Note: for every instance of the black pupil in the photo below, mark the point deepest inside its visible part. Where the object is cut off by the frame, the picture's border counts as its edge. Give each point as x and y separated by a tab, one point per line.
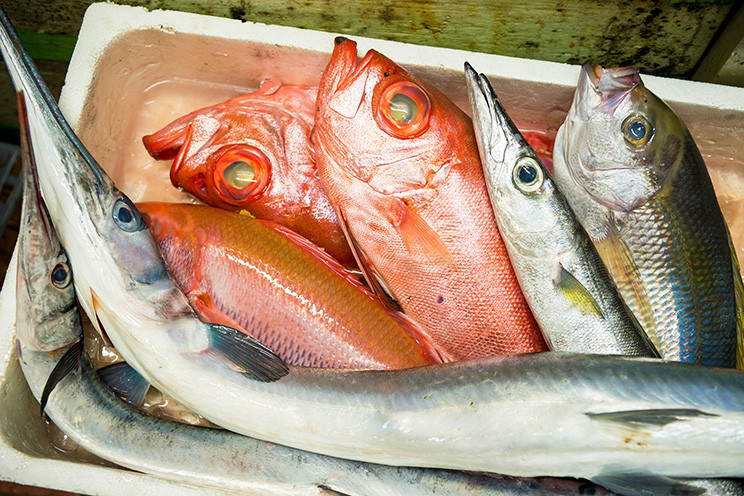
59	274
637	130
125	215
527	174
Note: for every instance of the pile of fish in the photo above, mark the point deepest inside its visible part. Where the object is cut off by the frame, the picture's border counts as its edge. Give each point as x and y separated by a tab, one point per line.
476	260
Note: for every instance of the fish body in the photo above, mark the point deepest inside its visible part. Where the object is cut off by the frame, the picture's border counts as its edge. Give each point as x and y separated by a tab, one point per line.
412	198
541	413
88	411
253	153
565	282
636	180
569	289
258	277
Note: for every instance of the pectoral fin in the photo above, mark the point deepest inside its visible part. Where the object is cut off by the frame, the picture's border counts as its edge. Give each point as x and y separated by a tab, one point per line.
69	362
619	262
420	239
576	293
126	382
245	354
646	418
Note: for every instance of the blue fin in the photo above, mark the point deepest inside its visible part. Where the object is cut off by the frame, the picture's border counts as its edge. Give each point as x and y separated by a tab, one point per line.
70	361
639	418
246	355
126	382
646	485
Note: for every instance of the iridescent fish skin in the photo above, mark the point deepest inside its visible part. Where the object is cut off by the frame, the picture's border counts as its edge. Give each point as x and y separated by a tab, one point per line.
400	164
261	278
636	180
565	282
253	153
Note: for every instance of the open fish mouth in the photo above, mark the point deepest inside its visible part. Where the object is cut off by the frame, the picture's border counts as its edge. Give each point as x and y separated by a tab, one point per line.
611	85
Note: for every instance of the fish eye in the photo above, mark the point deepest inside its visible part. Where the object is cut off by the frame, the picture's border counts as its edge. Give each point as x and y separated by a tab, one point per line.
637	130
126	216
61	277
241	173
527	175
403	110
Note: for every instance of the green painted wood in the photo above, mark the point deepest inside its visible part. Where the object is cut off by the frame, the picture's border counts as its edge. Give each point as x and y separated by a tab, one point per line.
665	38
48	46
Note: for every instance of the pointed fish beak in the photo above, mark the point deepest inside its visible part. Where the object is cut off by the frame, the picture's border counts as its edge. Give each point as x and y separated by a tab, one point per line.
494	130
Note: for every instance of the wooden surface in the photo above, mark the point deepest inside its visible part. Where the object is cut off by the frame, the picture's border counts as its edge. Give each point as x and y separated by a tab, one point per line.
662	38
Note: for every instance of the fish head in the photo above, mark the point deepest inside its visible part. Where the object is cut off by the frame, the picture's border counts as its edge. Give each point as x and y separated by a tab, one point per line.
249	153
521	190
621	141
47	318
381	125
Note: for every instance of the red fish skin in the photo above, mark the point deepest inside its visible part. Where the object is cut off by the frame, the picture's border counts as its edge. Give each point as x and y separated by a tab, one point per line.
277	121
458	283
274	285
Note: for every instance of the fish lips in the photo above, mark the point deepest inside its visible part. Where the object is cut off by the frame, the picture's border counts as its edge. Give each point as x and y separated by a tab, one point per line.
603	90
343	85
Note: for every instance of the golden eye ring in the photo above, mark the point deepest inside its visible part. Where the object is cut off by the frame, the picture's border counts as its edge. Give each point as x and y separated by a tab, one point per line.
637	130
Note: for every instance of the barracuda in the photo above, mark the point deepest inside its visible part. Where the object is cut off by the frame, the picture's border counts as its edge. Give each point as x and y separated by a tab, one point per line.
565	282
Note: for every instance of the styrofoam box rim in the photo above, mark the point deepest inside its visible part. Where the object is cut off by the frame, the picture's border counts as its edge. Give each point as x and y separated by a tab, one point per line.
103	23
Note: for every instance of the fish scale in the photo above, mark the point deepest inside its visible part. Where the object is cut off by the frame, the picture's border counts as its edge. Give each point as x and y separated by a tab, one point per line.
652	213
417	210
290	296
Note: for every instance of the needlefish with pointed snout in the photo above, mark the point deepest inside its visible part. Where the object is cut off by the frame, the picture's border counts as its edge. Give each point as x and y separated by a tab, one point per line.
48	323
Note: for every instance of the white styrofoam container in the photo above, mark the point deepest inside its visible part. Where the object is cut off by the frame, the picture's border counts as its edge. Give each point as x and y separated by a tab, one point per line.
133	71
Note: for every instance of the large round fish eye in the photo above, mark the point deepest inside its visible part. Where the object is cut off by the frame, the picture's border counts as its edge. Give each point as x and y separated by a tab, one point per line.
61	277
403	110
527	175
637	130
241	174
126	216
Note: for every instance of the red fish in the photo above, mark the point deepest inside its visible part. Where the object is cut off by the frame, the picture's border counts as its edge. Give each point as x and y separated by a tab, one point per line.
267	281
400	163
253	153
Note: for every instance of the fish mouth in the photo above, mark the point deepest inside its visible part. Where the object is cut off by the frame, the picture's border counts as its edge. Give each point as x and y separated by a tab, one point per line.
605	89
343	82
500	142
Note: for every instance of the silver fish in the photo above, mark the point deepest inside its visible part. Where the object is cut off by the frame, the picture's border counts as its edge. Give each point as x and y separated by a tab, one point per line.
565	282
524	415
89	413
636	180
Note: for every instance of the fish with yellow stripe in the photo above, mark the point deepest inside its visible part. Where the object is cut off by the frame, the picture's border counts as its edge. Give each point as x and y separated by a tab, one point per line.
631	171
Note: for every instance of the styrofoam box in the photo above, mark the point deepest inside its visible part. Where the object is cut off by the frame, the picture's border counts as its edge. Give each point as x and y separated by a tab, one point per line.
133	71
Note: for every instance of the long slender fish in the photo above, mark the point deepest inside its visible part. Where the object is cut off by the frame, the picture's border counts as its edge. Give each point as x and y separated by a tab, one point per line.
636	180
565	282
524	415
567	285
87	411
